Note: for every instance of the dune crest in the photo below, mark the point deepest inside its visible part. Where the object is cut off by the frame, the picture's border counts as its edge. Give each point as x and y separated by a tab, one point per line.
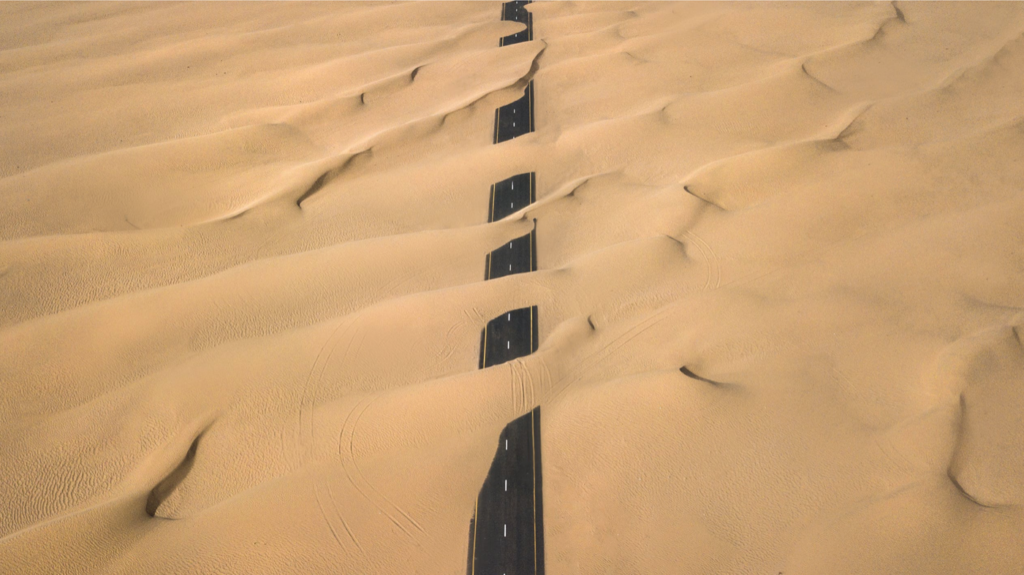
774	253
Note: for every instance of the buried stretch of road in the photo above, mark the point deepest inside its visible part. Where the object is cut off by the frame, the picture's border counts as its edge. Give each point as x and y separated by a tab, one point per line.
506	533
515	119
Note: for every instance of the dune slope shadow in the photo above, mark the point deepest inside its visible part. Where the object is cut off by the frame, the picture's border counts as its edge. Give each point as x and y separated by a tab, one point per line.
167	485
686	371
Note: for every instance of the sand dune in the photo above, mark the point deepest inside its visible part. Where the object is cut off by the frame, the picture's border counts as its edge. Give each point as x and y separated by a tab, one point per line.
241	285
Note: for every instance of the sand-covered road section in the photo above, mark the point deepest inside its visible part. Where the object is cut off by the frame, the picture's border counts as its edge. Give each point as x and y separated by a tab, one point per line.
241	285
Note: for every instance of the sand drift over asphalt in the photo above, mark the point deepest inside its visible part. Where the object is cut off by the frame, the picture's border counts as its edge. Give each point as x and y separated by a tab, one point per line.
779	282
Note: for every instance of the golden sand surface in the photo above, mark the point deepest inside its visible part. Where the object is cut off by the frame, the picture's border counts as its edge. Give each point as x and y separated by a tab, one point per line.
816	208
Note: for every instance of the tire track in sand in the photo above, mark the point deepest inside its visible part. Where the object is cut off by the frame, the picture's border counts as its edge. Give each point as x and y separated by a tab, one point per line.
337	513
307	400
711	262
306	428
346	450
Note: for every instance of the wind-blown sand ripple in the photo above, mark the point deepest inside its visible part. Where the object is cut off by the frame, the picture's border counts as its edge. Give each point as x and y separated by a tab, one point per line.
241	285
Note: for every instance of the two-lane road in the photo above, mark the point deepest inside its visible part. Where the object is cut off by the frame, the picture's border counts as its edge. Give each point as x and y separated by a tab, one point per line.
512	194
507	530
511	335
516	12
515	119
506	533
516	257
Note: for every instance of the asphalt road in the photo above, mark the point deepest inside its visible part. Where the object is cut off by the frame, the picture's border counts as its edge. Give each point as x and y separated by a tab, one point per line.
515	257
510	195
516	12
511	335
515	119
506	534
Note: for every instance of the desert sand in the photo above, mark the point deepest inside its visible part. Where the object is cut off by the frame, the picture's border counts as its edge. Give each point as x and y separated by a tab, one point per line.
816	209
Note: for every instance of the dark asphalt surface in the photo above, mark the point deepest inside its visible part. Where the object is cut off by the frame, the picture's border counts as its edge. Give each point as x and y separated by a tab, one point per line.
507	530
515	119
511	335
506	533
516	257
512	194
516	12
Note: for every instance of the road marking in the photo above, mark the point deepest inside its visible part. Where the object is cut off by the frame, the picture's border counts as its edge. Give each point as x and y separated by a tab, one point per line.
505	530
506	445
509	267
506	485
508	344
533	466
472	570
531	330
492	202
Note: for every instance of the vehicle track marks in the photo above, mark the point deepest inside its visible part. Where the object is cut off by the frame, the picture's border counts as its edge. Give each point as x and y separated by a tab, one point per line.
450	345
346	448
711	261
590	364
337	510
307	401
327	520
521	395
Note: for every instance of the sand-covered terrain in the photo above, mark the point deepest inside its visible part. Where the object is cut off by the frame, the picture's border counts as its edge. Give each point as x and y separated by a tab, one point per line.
242	285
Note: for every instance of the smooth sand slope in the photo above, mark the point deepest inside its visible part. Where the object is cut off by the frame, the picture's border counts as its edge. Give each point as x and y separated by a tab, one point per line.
241	285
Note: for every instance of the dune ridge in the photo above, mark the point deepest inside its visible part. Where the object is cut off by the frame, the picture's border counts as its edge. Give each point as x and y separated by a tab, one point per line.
779	285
